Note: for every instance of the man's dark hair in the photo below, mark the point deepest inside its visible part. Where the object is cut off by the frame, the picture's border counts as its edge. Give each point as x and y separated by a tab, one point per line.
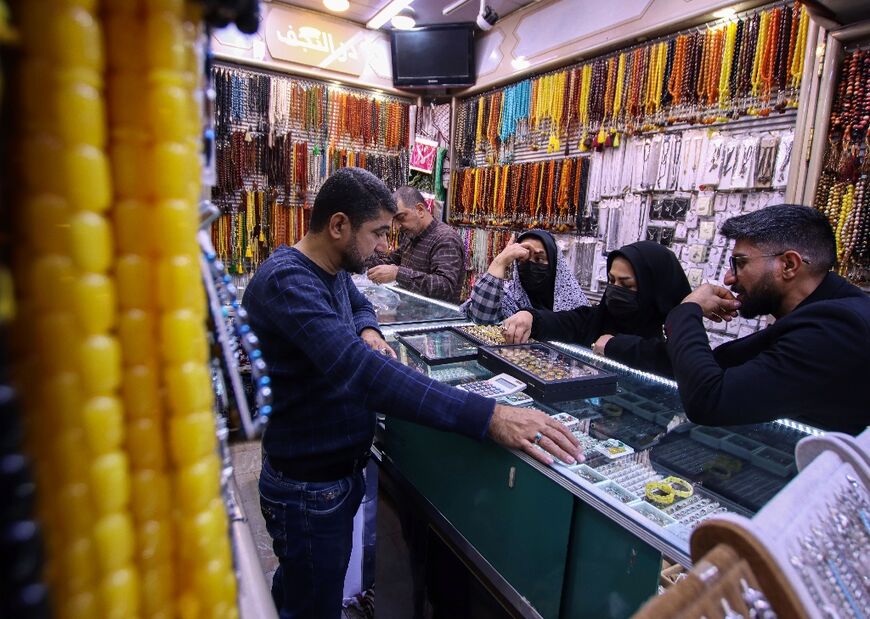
788	226
409	196
357	193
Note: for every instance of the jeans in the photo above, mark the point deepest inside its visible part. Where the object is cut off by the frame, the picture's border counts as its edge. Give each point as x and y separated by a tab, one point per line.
311	524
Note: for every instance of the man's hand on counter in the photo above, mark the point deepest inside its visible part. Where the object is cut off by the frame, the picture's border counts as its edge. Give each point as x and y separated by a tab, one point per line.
376	342
523	428
383	273
518	328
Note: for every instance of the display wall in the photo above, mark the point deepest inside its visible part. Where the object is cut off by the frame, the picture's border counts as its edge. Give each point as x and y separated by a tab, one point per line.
277	139
661	141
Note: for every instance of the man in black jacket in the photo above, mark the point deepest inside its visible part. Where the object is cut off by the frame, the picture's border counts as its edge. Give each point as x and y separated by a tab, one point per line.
811	364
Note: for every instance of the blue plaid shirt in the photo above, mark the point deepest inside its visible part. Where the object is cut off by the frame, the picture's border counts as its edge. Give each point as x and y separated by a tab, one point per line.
327	382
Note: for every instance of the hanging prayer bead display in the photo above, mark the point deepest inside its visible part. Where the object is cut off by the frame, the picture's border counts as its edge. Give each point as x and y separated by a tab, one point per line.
750	66
277	139
113	361
666	139
843	191
531	195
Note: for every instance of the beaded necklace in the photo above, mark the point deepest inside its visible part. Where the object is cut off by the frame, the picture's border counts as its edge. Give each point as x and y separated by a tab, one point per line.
700	89
583	107
492	131
618	94
717	64
609	93
759	53
633	100
665	98
478	133
560	96
783	47
691	67
727	64
675	83
795	17
768	60
797	59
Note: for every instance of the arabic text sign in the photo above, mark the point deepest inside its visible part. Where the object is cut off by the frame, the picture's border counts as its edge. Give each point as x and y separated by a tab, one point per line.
317	41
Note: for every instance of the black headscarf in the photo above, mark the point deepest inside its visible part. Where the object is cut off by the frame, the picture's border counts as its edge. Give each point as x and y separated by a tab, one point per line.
542	298
661	286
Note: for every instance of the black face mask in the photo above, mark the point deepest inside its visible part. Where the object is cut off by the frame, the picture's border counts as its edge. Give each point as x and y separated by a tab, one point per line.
533	276
621	302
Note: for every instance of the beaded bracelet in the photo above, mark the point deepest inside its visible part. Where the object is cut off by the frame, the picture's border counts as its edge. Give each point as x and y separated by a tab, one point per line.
681	487
659	492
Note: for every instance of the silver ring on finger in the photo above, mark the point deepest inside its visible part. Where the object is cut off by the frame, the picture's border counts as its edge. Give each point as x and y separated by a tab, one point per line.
538	438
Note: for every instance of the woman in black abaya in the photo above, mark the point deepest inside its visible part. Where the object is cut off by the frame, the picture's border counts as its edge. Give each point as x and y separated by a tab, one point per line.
645	281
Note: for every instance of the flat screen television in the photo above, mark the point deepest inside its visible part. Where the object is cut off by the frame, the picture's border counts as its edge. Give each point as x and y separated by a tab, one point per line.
433	56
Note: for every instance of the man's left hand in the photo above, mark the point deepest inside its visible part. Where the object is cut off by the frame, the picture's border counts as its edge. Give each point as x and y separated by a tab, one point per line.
528	429
717	303
376	342
383	273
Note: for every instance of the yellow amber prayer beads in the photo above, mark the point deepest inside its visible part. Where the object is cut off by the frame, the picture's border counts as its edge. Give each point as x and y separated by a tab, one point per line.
118	395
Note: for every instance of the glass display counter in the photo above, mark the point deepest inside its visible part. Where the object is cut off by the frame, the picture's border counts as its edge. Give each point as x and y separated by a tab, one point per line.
413	308
649	476
643	458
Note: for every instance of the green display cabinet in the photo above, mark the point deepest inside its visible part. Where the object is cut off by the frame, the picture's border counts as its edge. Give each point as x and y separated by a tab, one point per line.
610	572
567	559
514	516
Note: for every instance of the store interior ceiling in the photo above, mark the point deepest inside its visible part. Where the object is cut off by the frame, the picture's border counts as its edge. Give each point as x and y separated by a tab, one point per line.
428	12
846	11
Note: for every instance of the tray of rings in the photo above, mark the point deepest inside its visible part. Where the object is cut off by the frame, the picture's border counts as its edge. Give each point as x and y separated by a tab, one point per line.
484	335
551	375
438	346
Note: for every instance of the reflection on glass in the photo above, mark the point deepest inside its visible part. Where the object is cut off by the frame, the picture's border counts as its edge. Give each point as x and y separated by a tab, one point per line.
411	309
442	344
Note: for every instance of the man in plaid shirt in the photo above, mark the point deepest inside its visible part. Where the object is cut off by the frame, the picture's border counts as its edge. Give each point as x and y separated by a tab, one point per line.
431	258
331	370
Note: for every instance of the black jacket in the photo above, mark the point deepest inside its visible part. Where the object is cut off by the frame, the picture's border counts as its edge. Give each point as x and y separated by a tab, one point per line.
812	364
639	343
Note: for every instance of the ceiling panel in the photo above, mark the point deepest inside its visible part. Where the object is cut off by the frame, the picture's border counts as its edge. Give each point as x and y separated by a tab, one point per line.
428	11
847	11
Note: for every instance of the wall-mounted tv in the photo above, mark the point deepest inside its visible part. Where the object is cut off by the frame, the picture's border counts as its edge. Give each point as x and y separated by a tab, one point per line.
433	56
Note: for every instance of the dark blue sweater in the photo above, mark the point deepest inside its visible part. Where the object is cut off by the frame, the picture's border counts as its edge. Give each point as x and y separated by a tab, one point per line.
327	382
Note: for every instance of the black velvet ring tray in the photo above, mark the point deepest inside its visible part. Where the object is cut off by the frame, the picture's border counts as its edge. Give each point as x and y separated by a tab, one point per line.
438	346
551	375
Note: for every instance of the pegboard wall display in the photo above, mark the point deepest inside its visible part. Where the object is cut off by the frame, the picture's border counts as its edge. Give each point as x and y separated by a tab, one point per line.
277	139
843	191
662	141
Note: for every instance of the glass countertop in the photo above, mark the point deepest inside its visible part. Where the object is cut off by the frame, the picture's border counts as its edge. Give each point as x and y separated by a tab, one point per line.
644	458
413	308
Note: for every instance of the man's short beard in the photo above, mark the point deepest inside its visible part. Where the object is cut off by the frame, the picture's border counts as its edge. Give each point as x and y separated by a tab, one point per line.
352	261
763	301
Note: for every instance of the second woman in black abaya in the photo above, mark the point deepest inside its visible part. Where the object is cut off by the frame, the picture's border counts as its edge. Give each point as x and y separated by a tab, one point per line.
645	282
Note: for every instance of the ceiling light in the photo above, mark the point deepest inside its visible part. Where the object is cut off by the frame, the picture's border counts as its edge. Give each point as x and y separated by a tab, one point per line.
404	19
520	63
725	13
386	13
337	6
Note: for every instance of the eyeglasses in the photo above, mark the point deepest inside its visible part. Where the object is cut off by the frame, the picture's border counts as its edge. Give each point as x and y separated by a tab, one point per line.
738	262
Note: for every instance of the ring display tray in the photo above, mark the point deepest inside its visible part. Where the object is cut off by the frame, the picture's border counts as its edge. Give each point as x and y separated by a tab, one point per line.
551	375
438	346
484	335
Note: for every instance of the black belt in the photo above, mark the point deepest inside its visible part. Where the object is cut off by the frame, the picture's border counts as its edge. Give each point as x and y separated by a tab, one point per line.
301	470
